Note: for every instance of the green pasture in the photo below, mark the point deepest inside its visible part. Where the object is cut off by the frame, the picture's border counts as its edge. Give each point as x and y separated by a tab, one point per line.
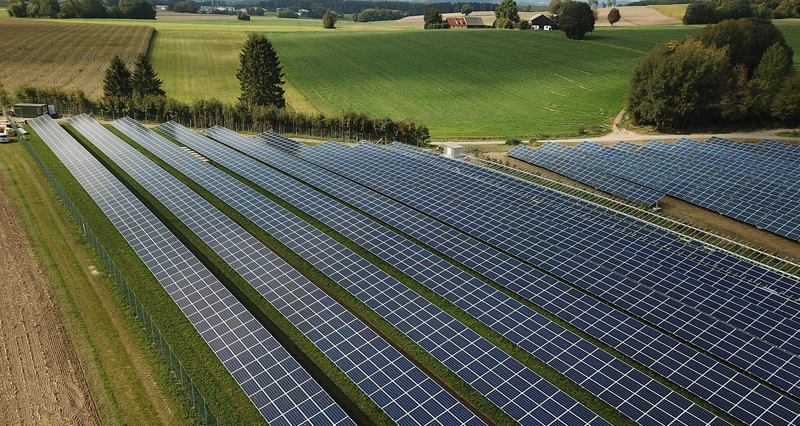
476	84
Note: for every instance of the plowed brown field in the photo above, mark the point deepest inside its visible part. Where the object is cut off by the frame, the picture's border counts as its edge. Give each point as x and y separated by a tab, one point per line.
41	380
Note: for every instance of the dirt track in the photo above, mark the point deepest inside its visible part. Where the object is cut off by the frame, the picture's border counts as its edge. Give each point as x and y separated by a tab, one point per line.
41	381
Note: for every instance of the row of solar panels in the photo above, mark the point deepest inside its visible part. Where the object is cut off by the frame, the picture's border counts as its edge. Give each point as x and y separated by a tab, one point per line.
756	183
395	185
551	156
414	181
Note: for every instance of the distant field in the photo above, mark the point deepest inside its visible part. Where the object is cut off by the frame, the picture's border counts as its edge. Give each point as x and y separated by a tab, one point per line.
462	84
65	55
452	81
672	10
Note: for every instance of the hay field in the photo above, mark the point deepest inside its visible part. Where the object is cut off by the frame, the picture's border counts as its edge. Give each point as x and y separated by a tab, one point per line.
675	11
70	56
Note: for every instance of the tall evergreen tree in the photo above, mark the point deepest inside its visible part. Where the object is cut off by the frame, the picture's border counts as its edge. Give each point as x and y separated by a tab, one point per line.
260	73
144	80
117	82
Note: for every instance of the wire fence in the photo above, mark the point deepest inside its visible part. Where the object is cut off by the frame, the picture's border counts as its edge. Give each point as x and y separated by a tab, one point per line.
175	366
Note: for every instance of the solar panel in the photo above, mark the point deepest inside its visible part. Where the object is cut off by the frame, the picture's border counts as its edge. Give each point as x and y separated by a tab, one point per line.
582	167
347	341
568	243
282	391
530	400
720	174
351	164
447	280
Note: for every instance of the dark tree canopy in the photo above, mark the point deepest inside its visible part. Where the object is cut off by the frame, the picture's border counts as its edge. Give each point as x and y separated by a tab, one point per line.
329	19
187	6
43	8
508	10
144	80
556	6
137	9
680	86
738	72
432	16
17	9
260	73
614	16
746	39
576	19
466	9
117	81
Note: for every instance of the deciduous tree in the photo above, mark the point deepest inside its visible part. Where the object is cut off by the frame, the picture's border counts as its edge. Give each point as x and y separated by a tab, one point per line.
466	9
432	16
576	19
508	10
329	19
614	16
260	73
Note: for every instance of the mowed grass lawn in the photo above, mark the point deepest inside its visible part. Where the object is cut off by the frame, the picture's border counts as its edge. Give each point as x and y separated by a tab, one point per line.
462	84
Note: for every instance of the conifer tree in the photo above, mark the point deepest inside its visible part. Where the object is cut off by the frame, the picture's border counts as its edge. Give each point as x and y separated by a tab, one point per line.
117	82
260	73
144	80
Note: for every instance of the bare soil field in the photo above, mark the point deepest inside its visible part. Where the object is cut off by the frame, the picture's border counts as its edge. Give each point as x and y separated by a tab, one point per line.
635	16
41	380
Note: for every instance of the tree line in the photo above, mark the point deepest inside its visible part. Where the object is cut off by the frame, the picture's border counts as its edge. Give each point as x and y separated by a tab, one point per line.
128	9
370	15
714	11
354	6
738	72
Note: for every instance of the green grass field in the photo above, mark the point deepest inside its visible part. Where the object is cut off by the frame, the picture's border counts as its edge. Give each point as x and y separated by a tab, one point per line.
455	82
462	84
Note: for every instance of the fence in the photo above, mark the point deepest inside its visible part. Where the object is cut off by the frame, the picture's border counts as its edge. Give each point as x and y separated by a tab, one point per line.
163	346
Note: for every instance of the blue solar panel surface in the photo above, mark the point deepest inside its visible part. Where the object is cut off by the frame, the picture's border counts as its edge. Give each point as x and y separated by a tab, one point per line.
690	325
580	312
758	184
531	400
401	389
288	396
460	288
576	167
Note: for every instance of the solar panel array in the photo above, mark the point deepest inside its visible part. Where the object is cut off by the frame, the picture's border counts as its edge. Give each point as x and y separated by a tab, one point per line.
560	246
756	183
578	166
484	302
327	153
283	392
725	330
519	391
400	388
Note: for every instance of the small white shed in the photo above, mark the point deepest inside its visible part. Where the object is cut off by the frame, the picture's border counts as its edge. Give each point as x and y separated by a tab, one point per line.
453	150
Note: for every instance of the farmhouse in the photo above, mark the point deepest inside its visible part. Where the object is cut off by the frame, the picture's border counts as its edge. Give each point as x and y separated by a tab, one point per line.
475	22
457	22
541	22
162	7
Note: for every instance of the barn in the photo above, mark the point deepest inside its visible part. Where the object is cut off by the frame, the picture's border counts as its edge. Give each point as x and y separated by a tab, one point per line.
541	22
475	22
457	22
